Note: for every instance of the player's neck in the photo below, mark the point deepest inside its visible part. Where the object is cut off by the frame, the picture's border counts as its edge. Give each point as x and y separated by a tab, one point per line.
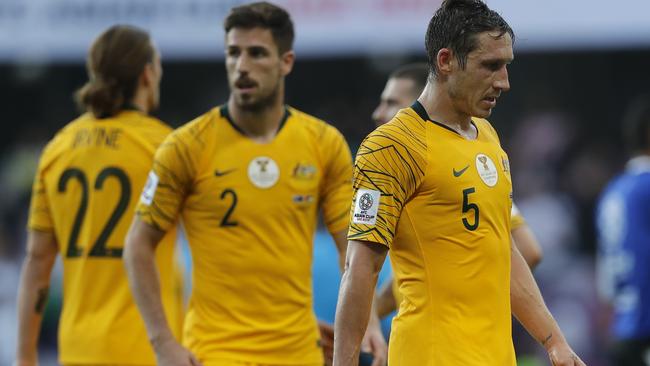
438	104
139	101
260	126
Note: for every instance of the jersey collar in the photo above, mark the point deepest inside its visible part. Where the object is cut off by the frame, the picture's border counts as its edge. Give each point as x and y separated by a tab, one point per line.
419	109
223	110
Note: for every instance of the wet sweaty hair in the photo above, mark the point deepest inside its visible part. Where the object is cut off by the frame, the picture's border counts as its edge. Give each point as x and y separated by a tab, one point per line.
115	62
263	15
457	24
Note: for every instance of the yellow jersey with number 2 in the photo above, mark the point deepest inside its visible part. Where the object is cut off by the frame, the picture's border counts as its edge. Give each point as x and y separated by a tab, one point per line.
249	211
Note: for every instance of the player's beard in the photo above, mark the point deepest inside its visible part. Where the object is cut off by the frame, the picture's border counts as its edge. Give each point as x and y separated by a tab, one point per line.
262	103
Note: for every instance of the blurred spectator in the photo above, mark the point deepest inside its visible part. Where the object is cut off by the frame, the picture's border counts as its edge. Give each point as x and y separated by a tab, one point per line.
623	221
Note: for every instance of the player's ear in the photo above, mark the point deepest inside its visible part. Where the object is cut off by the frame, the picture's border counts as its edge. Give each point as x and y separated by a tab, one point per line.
445	60
148	75
287	59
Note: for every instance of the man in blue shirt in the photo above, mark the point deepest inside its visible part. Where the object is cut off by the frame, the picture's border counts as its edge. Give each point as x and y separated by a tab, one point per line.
623	222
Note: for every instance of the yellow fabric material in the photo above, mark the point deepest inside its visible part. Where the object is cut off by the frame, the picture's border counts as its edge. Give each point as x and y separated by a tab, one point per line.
249	211
444	212
89	179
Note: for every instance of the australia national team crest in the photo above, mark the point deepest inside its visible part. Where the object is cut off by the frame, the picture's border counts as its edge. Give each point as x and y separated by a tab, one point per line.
487	170
263	172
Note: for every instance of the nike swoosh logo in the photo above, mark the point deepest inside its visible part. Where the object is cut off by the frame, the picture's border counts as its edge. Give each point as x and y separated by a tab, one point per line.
221	173
460	172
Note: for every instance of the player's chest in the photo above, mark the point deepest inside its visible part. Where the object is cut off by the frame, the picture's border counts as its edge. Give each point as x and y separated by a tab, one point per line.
259	178
458	169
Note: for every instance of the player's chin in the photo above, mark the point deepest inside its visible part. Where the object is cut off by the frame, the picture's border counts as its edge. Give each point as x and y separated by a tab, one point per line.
244	100
482	112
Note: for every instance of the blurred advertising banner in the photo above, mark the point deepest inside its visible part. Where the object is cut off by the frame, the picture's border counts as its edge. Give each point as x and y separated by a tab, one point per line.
62	30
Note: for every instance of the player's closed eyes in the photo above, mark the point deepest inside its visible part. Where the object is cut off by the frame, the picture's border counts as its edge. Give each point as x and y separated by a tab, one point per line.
258	52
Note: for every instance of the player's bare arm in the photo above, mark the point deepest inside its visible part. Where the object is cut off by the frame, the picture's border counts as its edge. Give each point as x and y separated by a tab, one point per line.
42	249
373	339
531	311
139	257
528	245
363	263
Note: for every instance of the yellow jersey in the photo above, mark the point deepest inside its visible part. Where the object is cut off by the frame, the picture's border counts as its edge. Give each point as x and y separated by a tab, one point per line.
85	192
516	220
249	211
441	203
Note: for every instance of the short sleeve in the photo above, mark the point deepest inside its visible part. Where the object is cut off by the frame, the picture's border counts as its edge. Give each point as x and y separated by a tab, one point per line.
389	167
516	218
337	187
170	180
40	217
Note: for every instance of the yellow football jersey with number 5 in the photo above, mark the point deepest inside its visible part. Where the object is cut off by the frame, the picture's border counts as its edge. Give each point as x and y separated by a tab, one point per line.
250	211
441	203
88	183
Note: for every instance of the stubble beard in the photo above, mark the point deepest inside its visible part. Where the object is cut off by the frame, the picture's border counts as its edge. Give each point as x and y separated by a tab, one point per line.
264	102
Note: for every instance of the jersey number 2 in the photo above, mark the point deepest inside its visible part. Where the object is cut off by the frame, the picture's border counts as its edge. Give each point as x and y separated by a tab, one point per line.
99	248
470	207
226	221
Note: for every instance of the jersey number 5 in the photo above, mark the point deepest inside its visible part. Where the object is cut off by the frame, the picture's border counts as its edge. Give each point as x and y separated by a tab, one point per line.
467	206
99	248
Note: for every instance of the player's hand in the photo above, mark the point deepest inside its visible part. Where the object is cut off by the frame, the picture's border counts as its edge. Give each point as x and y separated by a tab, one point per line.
563	355
374	342
327	341
171	353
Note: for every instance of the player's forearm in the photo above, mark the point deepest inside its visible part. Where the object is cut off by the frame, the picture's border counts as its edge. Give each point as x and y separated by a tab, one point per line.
364	260
32	297
139	257
528	305
352	315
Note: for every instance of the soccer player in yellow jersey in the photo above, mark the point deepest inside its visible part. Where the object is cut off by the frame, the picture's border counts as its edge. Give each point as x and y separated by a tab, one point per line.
85	191
247	180
433	186
404	85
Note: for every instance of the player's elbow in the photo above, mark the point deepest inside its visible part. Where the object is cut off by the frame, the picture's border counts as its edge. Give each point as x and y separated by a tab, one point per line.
534	257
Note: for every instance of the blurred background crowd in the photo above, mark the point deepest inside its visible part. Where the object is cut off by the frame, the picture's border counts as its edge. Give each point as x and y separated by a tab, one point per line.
576	67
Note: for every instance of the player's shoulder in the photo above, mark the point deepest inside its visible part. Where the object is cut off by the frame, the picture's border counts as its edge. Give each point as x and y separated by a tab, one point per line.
154	124
635	183
485	127
142	127
198	130
64	138
315	127
407	129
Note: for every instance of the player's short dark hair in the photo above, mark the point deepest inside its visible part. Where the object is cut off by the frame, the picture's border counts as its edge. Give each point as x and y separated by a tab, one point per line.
636	124
264	15
115	62
418	72
456	24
